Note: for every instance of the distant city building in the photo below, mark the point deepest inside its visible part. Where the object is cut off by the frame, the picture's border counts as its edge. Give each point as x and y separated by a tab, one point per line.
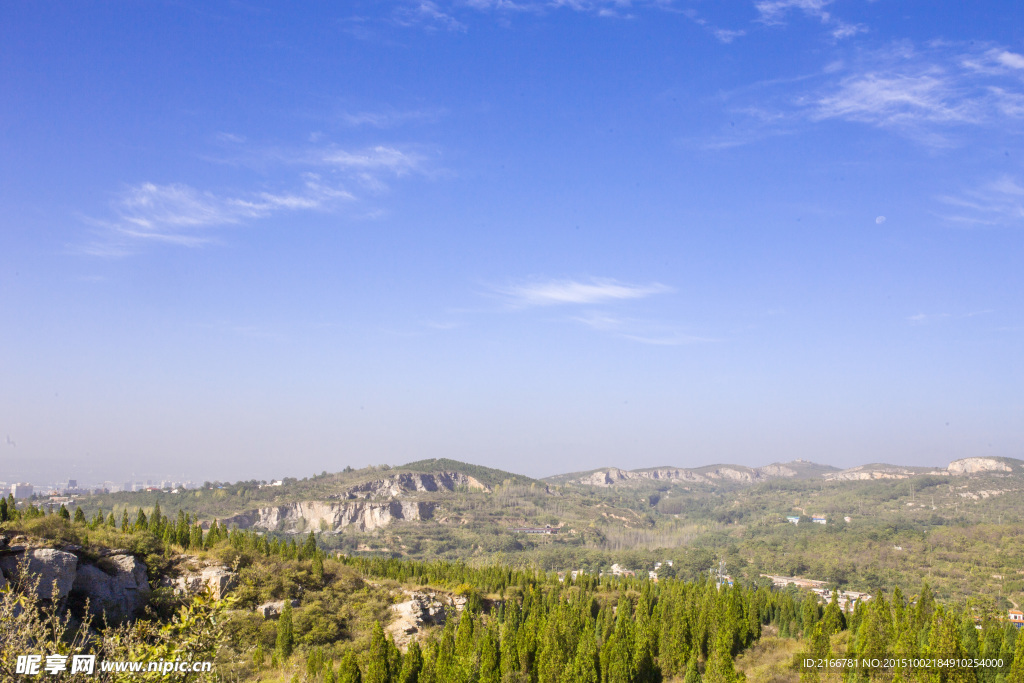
793	519
21	490
1016	617
818	519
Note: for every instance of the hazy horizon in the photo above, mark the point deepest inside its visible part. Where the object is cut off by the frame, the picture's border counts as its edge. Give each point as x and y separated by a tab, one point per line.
261	240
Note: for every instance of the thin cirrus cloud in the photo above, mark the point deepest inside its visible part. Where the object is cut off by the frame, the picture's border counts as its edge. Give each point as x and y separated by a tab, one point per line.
927	318
936	95
598	291
640	331
183	215
390	118
775	12
594	291
1000	202
919	90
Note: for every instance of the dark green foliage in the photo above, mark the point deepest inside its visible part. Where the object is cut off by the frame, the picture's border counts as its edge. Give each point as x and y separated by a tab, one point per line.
285	633
348	671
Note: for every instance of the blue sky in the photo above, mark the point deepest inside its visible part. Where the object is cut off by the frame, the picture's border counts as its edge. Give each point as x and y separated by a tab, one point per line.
258	239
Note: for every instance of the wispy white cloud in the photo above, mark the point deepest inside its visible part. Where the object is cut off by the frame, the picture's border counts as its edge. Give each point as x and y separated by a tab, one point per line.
641	331
1010	59
933	94
923	318
1000	202
726	35
897	99
775	13
184	215
927	318
390	118
597	290
427	14
379	158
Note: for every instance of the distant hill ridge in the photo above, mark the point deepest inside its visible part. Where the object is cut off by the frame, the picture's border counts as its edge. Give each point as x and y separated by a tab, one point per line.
796	469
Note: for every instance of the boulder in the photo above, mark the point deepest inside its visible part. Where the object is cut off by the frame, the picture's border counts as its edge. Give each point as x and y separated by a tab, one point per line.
219	580
272	610
48	569
117	587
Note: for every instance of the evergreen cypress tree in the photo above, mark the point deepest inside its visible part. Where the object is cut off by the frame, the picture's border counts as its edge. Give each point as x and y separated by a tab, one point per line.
445	666
925	606
111	522
585	666
692	672
126	524
490	658
141	523
63	513
156	520
412	663
79	517
833	620
818	647
720	668
318	566
285	633
1017	668
348	671
309	550
377	667
394	658
3	510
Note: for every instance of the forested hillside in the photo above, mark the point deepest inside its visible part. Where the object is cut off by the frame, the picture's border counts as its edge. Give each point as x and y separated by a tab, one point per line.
958	527
337	617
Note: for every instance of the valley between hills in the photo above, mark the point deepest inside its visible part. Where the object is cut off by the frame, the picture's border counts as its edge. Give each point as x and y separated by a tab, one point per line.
960	527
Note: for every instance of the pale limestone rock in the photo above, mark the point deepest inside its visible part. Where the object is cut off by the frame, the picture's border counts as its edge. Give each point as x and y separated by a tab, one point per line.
307	515
118	587
272	610
976	465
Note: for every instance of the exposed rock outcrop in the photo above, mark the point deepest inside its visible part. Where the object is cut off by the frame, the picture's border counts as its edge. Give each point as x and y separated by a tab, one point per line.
421	609
218	579
977	465
780	471
53	569
303	516
117	586
396	486
272	610
734	473
876	471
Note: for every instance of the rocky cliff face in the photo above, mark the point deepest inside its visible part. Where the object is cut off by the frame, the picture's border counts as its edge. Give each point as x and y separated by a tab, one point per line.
396	486
116	586
303	516
734	473
977	465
